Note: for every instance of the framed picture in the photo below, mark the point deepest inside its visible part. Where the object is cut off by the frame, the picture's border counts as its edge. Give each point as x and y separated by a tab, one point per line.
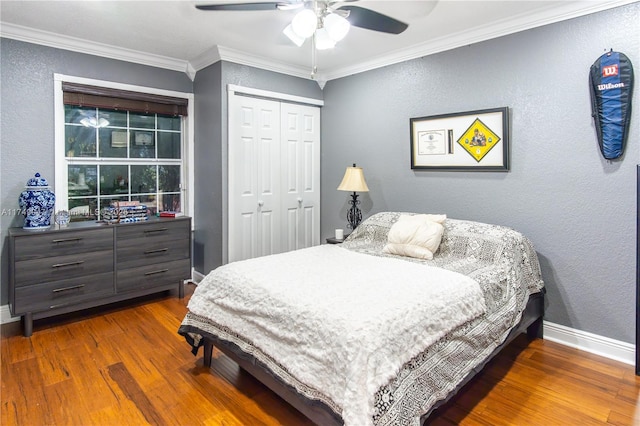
144	139
470	141
119	139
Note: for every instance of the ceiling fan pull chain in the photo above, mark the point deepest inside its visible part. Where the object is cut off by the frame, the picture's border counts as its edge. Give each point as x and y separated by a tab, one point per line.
314	58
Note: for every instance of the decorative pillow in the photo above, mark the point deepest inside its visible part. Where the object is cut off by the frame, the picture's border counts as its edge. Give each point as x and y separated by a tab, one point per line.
415	235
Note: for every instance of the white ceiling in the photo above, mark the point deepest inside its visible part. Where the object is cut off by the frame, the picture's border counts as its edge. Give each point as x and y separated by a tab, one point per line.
175	35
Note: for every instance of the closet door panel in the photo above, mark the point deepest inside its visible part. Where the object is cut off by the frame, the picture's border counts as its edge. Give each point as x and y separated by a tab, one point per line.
290	229
301	163
254	157
310	218
246	248
269	208
290	185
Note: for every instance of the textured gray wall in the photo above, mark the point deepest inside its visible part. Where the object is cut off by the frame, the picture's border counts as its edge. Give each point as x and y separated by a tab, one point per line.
577	208
27	107
210	88
208	165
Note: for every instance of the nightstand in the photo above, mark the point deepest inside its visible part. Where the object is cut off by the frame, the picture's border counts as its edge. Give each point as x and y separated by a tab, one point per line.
333	240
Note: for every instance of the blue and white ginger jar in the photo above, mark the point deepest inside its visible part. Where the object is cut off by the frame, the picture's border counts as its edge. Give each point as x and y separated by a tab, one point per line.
37	202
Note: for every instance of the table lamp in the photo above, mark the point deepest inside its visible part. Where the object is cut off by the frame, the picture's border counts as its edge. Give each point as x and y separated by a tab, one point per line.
353	181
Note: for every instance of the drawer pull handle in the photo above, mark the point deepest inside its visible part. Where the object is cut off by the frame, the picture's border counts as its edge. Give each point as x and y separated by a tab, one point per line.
62	265
150	231
66	240
156	251
160	271
75	287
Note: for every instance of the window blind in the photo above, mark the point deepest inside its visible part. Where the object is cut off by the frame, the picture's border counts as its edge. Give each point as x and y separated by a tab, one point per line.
103	97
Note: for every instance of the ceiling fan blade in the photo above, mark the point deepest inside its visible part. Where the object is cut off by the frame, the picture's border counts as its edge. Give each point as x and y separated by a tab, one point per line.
242	6
370	20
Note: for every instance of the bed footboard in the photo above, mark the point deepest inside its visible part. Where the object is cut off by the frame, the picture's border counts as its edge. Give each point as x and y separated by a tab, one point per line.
316	411
531	323
321	414
208	351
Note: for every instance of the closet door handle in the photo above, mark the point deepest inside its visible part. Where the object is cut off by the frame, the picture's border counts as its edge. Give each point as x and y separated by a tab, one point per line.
260	203
299	200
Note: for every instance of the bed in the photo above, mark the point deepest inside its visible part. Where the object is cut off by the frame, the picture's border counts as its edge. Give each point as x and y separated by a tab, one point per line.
351	334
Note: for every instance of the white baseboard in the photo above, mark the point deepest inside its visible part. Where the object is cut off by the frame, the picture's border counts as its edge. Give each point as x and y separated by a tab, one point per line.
589	342
5	315
196	276
582	340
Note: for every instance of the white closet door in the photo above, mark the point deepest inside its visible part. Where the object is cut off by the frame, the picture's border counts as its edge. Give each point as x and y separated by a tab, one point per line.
300	149
254	178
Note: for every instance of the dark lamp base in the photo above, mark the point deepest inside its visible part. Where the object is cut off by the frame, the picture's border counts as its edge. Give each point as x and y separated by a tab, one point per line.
354	215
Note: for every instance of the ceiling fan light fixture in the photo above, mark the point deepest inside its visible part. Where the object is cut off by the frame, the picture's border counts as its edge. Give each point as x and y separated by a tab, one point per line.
288	31
304	23
93	122
337	27
323	40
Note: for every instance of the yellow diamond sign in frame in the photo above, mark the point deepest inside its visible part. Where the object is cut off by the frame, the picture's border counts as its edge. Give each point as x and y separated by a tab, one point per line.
478	140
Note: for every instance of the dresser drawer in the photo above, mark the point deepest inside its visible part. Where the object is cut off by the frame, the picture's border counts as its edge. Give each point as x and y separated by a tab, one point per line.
28	247
62	267
57	294
146	233
153	252
153	275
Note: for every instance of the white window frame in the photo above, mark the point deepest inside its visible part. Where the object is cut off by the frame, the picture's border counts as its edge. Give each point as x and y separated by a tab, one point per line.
61	162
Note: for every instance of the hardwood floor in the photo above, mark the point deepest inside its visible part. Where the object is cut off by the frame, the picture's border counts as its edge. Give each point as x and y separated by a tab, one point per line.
126	365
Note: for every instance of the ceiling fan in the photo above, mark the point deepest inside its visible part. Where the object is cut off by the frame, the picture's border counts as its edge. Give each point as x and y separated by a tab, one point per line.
325	22
355	15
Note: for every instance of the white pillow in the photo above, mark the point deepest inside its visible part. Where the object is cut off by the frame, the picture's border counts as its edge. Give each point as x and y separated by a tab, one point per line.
415	235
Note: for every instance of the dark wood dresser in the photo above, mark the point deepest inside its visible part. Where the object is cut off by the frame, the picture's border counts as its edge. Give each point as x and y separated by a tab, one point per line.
83	265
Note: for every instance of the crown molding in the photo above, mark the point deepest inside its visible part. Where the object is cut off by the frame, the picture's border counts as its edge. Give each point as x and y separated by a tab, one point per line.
239	57
464	38
30	35
217	53
206	58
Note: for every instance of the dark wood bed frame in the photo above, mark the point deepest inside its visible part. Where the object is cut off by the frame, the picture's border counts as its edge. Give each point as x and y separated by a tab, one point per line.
319	413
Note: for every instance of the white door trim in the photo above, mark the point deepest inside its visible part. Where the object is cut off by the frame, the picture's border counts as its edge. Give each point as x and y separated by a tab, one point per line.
233	89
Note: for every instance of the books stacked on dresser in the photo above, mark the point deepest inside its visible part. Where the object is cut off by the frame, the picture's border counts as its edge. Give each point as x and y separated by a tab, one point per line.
125	211
169	213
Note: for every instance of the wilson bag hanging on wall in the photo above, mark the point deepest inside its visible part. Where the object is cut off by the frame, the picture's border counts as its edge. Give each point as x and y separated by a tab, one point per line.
611	85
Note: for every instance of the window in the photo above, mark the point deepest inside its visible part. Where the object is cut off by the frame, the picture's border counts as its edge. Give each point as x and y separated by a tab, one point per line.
119	146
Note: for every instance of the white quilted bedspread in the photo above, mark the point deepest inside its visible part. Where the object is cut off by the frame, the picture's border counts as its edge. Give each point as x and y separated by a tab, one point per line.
354	328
